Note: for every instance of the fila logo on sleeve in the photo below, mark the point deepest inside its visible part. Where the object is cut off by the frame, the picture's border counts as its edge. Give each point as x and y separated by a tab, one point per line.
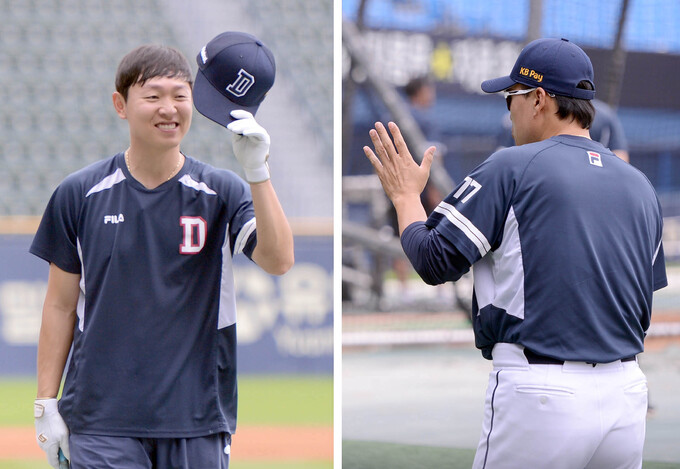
595	159
194	231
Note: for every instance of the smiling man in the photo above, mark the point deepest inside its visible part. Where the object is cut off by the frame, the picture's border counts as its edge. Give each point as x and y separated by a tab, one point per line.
141	287
565	239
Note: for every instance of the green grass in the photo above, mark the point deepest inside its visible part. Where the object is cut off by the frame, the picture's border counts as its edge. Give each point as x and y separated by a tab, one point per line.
374	455
288	400
377	455
12	464
17	397
269	400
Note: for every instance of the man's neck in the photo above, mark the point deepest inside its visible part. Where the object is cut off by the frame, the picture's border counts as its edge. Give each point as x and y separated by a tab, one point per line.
152	167
563	127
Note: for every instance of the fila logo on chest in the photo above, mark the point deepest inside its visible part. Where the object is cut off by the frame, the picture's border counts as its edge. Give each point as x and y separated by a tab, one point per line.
114	219
194	231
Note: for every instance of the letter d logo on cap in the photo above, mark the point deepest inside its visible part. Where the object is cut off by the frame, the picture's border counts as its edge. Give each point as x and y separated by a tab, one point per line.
242	84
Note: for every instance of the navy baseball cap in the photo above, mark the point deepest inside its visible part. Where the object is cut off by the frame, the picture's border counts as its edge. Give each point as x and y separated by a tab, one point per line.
556	65
235	71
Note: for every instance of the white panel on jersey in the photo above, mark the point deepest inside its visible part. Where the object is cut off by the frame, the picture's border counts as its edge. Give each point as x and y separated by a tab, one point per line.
108	182
499	277
199	186
656	252
227	311
465	225
243	235
80	307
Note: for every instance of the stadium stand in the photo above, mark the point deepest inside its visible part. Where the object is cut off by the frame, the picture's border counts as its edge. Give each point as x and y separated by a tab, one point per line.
650	27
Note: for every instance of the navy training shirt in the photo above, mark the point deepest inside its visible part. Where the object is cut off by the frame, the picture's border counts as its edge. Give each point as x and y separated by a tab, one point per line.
565	239
154	351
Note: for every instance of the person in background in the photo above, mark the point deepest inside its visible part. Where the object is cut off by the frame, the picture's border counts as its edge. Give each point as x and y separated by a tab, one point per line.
421	96
607	129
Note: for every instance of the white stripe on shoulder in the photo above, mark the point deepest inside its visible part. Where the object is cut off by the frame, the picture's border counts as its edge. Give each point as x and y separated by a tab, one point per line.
656	253
198	186
464	225
108	182
80	306
243	236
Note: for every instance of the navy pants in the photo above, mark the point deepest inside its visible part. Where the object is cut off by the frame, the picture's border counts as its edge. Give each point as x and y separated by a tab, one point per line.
89	451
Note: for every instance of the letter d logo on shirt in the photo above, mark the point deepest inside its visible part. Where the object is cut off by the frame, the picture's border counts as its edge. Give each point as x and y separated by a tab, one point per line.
194	230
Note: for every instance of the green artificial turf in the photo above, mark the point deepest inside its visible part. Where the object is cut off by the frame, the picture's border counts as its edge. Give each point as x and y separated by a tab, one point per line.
263	400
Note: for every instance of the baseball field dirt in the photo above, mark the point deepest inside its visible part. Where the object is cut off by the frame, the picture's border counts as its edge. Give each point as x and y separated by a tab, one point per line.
262	443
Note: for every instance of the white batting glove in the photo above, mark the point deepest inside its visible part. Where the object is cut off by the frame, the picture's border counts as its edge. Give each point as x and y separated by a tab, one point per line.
251	146
50	430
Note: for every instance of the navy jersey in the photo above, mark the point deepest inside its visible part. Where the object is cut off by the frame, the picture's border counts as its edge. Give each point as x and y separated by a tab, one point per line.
154	350
565	239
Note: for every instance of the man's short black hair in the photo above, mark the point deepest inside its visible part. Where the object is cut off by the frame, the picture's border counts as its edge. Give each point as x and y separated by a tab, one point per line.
150	61
582	110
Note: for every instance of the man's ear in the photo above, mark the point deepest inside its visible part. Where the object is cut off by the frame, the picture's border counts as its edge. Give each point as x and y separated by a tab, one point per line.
120	105
540	100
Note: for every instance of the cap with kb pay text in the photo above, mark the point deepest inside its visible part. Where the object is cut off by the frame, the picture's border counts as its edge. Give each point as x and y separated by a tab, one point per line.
556	65
235	71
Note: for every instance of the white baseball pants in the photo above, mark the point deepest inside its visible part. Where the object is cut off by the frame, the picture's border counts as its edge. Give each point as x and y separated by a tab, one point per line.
569	416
